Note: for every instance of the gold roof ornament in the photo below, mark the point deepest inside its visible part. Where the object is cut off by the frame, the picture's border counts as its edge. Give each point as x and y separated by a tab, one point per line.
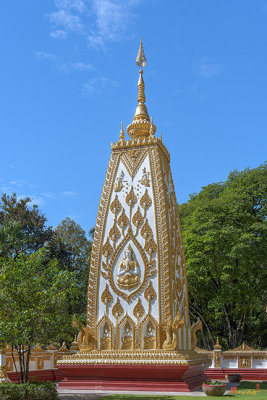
122	135
141	125
141	58
217	345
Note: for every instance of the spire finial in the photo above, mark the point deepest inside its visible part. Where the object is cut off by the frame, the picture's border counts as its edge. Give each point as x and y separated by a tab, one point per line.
141	58
141	125
122	134
217	345
141	111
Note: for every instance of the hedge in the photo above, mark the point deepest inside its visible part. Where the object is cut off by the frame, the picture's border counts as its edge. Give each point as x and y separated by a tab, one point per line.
28	391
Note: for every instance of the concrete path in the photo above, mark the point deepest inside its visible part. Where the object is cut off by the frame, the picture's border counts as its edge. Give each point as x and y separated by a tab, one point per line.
67	394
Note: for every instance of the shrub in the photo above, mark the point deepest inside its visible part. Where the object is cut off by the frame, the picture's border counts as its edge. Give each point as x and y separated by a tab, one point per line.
28	391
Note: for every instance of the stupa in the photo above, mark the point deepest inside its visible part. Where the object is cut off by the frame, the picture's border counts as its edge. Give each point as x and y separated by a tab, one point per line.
138	334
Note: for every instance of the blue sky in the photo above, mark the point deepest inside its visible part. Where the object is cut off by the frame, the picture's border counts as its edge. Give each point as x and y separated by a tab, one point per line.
68	78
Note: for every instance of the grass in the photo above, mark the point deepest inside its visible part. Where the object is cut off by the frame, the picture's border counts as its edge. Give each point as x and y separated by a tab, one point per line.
246	391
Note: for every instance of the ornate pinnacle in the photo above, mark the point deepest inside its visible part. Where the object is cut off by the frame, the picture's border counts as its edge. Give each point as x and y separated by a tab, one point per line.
122	135
141	125
141	58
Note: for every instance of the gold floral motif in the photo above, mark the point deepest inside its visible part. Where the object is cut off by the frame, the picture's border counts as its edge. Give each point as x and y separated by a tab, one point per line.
138	310
150	293
117	309
114	234
115	205
107	249
123	220
145	201
137	219
146	231
150	247
131	198
117	312
106	297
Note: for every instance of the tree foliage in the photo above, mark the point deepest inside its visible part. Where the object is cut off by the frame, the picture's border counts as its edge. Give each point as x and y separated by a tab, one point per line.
225	240
29	232
71	247
34	296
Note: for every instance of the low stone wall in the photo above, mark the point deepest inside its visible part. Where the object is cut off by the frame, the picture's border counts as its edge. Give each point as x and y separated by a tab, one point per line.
249	362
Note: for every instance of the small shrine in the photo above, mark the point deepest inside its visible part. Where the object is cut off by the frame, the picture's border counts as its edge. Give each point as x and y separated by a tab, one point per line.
138	334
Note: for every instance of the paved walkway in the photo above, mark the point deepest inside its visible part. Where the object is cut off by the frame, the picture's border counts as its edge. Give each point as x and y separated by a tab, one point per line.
67	394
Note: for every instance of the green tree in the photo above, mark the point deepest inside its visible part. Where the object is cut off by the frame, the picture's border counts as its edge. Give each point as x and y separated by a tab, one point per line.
29	223
71	247
34	296
225	240
11	238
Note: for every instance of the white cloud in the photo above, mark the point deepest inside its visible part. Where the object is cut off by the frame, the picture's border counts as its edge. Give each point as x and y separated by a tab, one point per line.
58	34
45	56
98	86
17	183
48	195
112	20
76	66
68	193
207	69
66	20
78	5
100	21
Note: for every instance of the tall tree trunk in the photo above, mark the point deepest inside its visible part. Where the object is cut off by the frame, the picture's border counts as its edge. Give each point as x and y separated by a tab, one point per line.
27	363
14	362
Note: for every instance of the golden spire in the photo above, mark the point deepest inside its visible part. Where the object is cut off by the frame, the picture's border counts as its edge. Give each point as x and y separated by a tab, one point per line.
141	58
122	135
141	125
217	345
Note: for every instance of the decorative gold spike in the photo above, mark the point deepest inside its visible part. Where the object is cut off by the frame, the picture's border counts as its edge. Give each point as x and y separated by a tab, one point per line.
217	345
141	58
140	127
151	131
122	134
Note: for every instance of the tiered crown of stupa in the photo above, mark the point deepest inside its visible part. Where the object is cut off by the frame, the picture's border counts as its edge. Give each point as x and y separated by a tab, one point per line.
141	126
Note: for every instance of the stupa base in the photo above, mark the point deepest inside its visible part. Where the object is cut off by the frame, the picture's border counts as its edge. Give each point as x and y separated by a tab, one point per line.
168	376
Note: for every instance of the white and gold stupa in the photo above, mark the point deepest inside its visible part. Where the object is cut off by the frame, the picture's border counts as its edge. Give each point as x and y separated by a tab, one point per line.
137	313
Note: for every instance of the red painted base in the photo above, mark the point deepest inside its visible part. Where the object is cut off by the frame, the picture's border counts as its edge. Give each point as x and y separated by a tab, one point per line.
161	378
53	375
248	374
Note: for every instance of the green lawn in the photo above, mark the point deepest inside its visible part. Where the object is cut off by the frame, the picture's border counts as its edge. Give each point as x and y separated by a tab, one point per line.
246	391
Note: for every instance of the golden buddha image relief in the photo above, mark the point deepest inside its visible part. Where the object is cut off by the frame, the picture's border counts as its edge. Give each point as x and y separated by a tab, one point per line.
119	182
145	180
105	334
128	275
127	333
